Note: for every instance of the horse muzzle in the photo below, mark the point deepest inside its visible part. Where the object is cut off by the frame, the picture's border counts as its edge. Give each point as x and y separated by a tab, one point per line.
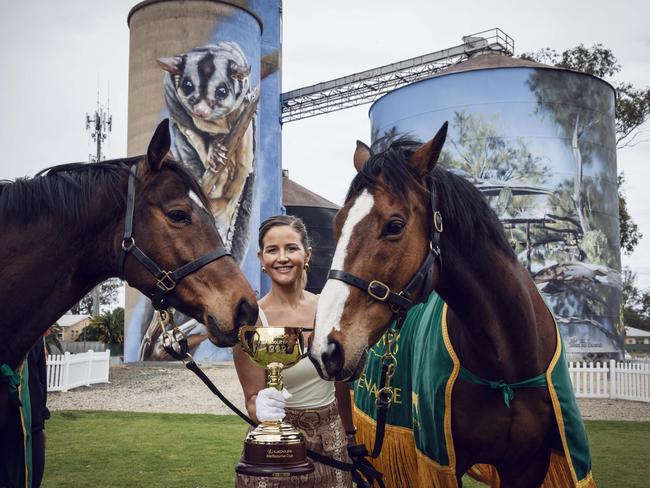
245	314
331	364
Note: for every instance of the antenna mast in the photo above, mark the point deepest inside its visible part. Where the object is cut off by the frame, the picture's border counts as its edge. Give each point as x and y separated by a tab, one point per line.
100	125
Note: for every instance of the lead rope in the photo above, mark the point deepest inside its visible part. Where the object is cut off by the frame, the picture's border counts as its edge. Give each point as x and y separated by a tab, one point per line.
174	342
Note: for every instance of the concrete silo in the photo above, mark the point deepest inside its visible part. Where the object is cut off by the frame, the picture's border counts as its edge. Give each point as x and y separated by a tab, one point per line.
539	142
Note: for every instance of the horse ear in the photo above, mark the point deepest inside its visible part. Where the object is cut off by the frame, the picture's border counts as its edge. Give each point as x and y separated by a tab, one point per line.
159	146
426	157
361	155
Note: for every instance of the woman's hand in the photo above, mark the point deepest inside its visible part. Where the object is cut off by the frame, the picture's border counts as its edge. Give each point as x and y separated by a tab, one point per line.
269	404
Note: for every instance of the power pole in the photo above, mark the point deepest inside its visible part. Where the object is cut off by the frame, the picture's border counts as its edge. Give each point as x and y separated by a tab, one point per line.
100	124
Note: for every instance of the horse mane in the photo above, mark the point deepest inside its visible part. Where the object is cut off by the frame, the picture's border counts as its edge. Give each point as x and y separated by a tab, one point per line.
65	192
465	211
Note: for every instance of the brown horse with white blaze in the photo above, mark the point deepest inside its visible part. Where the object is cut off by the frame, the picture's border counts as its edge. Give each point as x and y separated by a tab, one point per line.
143	219
498	323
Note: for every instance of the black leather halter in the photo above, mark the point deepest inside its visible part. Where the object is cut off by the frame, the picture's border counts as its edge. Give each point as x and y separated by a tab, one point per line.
401	302
165	280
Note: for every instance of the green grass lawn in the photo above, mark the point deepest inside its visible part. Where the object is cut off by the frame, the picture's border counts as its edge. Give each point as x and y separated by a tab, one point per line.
121	449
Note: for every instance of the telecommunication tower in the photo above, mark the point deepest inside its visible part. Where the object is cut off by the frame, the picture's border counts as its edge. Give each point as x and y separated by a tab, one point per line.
100	125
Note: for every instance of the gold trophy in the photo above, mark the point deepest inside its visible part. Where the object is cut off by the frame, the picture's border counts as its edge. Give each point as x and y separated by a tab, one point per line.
274	448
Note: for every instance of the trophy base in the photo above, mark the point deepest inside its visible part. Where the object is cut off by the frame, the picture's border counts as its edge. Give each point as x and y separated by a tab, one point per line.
274	450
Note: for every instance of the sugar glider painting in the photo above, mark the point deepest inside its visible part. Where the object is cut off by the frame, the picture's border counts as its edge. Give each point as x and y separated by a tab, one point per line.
212	106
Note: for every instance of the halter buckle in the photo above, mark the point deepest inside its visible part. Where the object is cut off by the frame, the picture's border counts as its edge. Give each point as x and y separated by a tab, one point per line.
377	295
437	221
166	282
128	243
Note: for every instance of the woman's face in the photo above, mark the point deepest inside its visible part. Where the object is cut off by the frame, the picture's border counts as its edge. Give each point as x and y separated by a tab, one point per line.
283	255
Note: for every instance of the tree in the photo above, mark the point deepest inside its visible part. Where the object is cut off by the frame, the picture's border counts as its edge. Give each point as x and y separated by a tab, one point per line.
108	291
630	234
632	103
636	303
632	110
108	327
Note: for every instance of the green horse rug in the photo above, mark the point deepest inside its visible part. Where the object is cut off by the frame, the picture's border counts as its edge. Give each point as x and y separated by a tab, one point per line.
418	448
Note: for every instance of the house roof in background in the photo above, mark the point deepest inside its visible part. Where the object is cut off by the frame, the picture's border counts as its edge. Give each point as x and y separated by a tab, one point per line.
295	195
634	332
69	319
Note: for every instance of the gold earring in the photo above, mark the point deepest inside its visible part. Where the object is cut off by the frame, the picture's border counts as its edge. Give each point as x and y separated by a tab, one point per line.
306	266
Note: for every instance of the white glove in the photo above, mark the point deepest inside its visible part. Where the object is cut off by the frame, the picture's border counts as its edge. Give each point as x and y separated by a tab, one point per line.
269	404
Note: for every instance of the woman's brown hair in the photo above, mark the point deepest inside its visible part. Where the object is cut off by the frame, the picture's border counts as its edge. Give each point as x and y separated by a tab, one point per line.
295	223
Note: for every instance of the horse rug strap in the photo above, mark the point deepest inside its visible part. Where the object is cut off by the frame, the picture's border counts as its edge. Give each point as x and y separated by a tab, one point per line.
165	280
507	389
12	378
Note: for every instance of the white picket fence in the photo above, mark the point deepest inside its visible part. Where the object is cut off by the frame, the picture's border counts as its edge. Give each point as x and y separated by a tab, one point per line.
625	381
67	371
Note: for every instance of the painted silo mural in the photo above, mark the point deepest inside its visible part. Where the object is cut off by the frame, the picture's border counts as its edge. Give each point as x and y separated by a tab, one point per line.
540	144
204	65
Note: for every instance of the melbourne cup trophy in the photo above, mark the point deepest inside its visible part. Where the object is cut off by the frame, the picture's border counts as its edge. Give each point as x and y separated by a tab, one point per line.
274	448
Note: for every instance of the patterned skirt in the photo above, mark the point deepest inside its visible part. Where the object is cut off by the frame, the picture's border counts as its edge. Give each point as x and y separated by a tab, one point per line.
324	433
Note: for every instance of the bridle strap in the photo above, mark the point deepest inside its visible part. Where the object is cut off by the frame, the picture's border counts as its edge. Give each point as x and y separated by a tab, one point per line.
165	280
128	218
401	302
376	289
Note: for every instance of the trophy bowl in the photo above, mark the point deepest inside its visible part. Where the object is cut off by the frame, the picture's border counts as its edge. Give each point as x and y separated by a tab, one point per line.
274	448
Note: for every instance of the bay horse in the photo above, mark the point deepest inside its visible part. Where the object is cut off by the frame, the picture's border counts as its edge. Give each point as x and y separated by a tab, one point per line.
76	225
497	323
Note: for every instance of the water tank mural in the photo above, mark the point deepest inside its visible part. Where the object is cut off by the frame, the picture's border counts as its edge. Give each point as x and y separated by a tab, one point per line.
206	66
539	142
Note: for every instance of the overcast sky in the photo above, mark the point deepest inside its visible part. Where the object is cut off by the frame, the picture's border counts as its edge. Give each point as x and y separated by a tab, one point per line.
55	55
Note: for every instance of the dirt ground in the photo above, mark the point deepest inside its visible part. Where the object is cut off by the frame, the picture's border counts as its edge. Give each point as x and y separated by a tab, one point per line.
172	388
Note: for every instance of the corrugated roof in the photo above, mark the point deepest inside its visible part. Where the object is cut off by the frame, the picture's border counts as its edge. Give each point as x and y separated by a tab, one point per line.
492	60
295	195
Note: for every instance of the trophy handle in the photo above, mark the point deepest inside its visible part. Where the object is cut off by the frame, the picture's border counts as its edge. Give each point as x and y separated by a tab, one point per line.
244	343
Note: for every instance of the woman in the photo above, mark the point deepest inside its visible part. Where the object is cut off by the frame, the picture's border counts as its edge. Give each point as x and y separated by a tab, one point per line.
284	253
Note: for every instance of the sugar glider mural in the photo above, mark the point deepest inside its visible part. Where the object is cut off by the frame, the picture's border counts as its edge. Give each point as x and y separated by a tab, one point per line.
212	107
214	72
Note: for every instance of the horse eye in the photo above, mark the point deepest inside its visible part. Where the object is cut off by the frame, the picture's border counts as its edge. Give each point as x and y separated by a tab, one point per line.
179	216
394	227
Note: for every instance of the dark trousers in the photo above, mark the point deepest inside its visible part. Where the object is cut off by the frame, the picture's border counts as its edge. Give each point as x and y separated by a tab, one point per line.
38	457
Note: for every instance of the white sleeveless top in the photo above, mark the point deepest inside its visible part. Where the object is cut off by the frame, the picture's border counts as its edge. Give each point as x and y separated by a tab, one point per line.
308	390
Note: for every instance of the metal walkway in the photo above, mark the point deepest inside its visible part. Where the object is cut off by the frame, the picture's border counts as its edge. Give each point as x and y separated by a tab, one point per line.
367	86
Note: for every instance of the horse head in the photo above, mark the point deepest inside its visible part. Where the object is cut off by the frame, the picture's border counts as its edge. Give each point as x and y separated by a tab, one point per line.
174	228
383	238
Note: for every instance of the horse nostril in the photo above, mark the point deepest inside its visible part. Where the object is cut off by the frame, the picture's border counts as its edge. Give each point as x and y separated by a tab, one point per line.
332	358
245	314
